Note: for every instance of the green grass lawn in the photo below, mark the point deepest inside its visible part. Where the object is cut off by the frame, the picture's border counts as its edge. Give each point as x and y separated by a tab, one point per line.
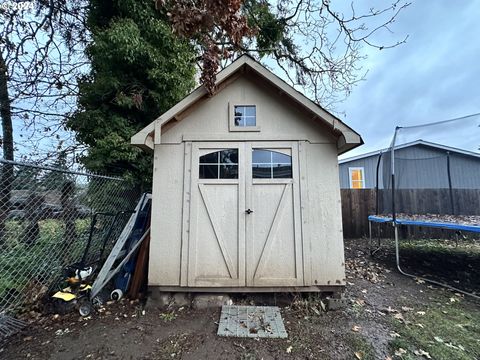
23	266
446	329
440	246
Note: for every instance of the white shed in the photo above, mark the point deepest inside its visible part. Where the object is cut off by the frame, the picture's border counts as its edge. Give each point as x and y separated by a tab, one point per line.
246	193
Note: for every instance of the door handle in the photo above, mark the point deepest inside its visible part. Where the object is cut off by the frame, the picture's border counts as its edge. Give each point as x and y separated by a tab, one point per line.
248	211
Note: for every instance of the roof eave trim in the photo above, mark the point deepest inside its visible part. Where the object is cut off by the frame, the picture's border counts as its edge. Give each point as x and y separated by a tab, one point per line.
351	139
348	141
324	115
143	139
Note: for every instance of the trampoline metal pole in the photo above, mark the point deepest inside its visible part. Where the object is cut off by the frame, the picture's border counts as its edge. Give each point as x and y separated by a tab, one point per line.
450	190
370	237
376	184
397	248
392	161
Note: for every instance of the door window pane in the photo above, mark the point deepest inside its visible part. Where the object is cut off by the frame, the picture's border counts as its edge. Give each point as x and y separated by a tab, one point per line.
261	171
282	171
229	156
219	165
281	158
209	171
271	164
261	156
211	158
228	171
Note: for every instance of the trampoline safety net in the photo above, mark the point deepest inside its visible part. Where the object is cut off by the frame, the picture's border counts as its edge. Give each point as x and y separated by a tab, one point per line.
431	173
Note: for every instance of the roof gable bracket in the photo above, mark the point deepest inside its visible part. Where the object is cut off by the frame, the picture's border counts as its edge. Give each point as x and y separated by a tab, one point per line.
157	135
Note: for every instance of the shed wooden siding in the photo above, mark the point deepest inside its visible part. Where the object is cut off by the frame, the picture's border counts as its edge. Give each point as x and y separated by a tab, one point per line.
279	119
430	173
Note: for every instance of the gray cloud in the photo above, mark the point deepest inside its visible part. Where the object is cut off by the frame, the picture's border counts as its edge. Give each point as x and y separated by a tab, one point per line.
433	77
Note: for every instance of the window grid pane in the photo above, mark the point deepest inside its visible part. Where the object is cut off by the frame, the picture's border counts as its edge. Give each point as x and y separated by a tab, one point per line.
245	115
265	159
357	184
357	179
224	167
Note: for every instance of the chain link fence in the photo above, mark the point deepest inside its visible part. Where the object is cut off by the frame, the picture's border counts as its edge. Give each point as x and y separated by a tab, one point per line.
50	218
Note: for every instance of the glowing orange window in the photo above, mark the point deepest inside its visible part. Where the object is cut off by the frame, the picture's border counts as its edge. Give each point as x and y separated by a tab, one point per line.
357	179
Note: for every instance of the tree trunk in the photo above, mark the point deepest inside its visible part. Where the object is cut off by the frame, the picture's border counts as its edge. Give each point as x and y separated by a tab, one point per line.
7	144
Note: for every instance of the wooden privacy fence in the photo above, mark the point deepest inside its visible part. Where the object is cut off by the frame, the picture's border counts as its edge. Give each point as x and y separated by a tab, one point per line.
357	204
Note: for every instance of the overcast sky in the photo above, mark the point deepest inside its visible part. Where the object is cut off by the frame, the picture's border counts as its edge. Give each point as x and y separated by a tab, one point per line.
434	76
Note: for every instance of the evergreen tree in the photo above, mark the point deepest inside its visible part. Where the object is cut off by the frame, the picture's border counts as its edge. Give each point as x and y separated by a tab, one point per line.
26	178
139	69
54	180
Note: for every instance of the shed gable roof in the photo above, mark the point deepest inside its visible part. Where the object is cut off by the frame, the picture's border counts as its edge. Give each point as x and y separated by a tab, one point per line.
151	134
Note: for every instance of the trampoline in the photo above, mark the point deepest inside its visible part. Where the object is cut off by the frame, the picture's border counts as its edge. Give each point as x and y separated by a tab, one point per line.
429	185
475	228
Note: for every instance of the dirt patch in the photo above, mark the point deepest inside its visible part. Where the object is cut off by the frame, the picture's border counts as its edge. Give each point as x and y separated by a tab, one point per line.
379	298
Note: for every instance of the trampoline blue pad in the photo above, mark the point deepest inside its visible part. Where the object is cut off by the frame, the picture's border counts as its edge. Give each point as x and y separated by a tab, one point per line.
432	224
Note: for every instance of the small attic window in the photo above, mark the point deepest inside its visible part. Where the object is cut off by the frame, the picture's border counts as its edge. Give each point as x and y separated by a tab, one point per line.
243	118
245	115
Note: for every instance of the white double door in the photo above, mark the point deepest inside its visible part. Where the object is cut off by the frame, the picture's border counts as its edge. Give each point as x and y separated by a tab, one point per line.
244	215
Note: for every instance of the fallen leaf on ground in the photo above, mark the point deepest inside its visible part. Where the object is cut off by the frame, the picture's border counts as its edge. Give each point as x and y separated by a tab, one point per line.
315	310
360	302
359	355
323	306
421	352
239	345
459	347
399	317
